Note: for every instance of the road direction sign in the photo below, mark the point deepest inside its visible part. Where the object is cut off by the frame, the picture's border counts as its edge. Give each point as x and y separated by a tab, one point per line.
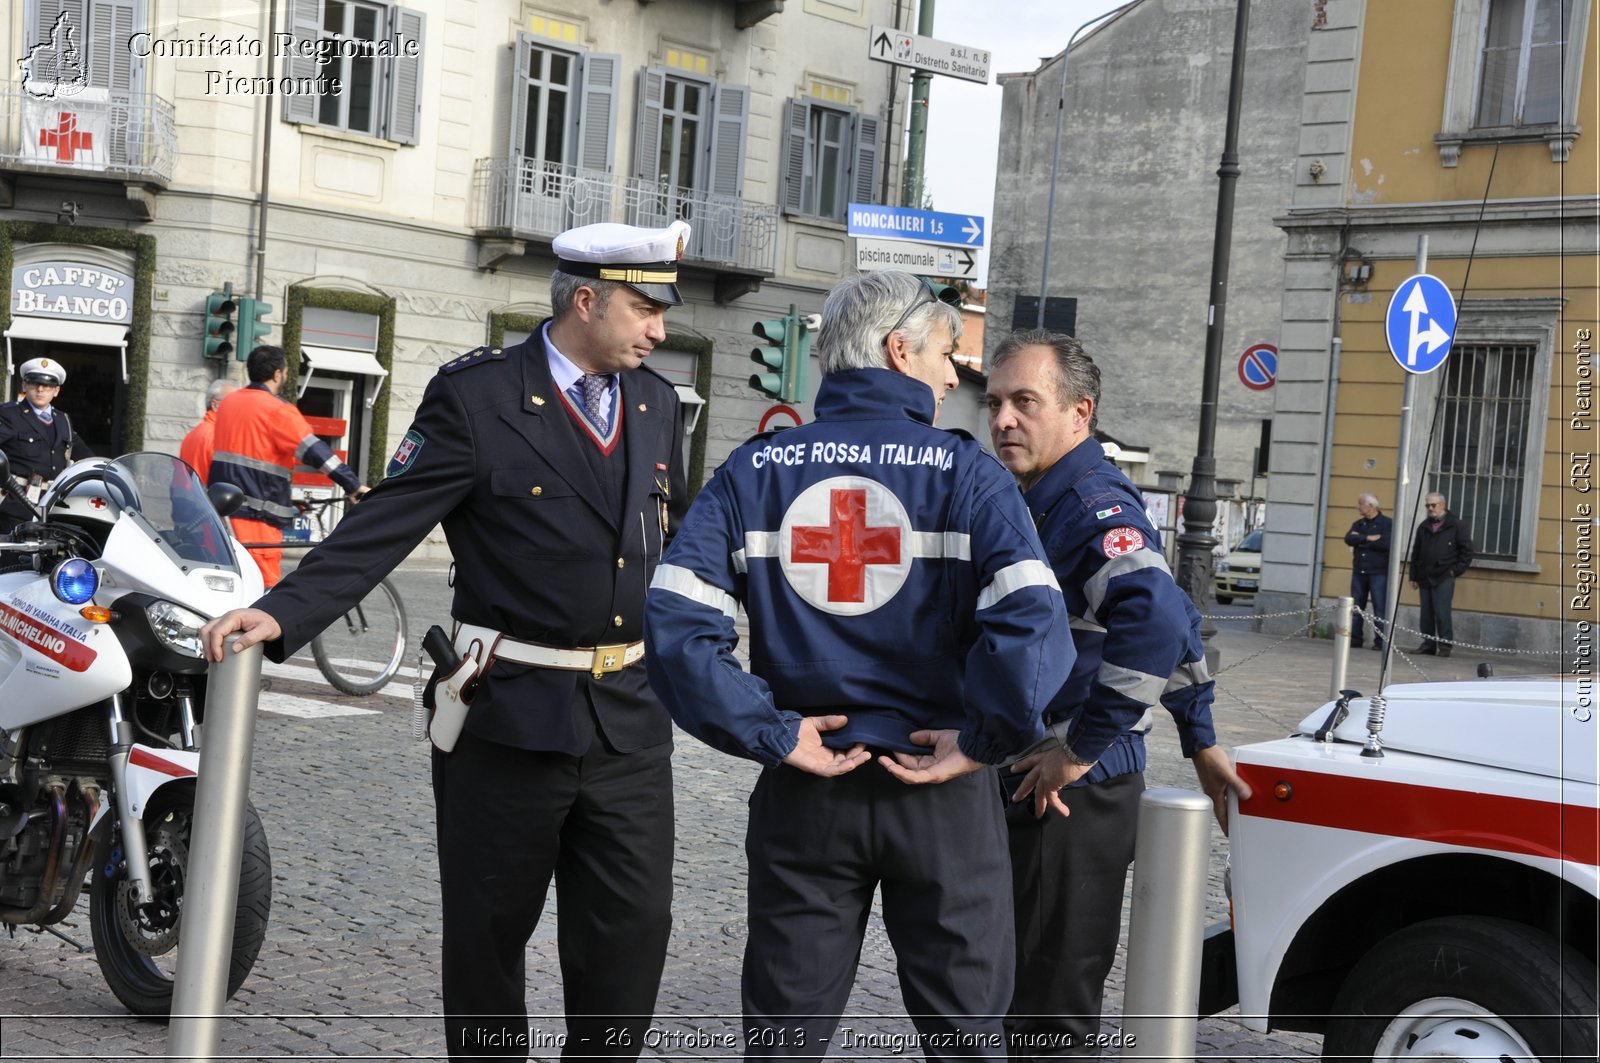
1420	323
1258	367
923	226
924	53
930	260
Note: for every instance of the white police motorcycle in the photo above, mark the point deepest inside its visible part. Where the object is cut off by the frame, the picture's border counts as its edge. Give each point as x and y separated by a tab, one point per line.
102	688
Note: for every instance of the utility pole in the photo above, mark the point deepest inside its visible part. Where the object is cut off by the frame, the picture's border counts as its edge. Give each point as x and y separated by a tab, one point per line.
911	188
1200	502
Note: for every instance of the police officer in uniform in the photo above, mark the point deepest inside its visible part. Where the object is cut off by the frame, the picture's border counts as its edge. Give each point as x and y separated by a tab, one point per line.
556	467
1138	640
904	633
37	437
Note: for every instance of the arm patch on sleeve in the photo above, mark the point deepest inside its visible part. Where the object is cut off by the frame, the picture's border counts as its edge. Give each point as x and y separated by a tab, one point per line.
405	455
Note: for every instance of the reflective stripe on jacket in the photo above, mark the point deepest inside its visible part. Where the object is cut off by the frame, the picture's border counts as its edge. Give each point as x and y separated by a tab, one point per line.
259	440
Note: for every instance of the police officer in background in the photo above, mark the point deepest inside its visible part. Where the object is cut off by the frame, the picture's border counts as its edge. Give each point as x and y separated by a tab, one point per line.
36	437
556	467
904	634
1138	639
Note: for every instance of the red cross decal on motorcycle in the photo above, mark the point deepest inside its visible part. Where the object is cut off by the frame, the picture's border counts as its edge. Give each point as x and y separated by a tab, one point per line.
847	546
97	502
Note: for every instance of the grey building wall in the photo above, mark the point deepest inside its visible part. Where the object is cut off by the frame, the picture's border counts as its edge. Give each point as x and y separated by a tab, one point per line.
1136	206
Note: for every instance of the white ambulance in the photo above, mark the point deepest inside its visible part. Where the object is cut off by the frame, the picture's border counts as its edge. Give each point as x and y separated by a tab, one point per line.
1427	893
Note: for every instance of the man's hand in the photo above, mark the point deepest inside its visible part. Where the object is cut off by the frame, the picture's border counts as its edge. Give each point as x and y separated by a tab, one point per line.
257	625
357	494
1048	771
946	762
809	754
1215	771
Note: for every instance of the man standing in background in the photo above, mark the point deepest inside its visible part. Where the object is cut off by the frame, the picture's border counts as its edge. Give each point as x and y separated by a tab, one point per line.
260	438
1369	567
36	437
1441	552
199	444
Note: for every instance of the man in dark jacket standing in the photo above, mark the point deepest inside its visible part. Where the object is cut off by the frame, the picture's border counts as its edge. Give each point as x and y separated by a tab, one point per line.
1442	551
556	467
37	437
1370	538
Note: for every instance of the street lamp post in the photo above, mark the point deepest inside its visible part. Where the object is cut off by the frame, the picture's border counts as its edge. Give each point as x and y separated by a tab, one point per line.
1200	501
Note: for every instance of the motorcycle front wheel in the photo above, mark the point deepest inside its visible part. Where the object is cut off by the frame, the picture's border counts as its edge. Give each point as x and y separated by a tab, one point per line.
136	945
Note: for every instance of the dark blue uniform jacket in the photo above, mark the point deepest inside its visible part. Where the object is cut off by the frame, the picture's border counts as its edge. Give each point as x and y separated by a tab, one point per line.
1137	634
890	573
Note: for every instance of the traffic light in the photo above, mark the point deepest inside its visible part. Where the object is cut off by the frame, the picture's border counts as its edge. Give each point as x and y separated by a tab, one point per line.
252	330
217	339
786	356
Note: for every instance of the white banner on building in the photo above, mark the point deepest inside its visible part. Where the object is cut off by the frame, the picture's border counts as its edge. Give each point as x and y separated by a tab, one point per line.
68	130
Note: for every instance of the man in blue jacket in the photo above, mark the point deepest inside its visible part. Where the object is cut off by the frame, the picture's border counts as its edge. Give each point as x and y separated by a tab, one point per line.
1369	539
1138	642
904	633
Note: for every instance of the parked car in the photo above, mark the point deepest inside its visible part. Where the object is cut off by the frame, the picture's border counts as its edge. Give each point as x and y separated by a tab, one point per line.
1421	884
1238	575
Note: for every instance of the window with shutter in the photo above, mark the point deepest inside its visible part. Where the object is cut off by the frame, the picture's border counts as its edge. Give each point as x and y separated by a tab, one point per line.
829	159
380	94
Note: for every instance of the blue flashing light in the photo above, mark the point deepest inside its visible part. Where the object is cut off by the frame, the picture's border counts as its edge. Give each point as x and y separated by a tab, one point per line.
75	581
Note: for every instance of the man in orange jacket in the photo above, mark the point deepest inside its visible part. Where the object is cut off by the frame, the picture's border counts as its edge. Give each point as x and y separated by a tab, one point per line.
199	444
260	438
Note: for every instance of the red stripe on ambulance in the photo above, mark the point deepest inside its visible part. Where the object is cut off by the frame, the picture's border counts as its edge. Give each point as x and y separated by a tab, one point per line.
1426	813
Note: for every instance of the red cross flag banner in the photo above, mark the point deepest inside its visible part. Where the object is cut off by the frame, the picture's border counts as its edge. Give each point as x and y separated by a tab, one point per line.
68	130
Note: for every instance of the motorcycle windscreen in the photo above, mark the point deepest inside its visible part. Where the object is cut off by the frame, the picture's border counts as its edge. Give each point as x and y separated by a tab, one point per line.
166	497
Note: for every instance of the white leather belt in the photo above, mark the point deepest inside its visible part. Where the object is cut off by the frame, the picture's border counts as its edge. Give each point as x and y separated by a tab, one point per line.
487	645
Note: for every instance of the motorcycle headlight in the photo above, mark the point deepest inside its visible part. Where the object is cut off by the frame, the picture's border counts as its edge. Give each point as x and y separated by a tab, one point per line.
177	628
74	581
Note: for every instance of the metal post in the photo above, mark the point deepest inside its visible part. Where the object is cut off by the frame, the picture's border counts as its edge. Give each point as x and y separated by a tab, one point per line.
916	143
1200	501
1341	643
1055	159
1167	925
216	846
1404	521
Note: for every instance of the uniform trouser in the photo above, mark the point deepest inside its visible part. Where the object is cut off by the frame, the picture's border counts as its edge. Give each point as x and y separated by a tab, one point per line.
1365	585
1069	875
602	825
817	848
1437	627
270	561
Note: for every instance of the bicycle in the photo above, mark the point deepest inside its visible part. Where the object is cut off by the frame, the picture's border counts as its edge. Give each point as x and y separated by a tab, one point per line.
361	652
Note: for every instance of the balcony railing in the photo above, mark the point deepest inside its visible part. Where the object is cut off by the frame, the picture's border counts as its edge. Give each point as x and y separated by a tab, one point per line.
526	198
91	132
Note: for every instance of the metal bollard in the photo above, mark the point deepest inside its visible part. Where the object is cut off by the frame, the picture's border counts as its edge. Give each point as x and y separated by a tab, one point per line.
1341	644
216	846
1166	926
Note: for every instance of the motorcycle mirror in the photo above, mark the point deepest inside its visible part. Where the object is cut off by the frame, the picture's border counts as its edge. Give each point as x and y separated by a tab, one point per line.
225	498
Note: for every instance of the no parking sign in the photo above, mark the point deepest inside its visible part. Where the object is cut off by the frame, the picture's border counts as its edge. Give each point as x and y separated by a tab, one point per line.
1258	367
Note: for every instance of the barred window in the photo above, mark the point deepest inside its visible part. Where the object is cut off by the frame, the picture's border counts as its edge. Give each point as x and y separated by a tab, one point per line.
1483	456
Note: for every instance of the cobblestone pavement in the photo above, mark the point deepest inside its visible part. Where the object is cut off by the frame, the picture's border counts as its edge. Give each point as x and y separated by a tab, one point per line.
349	968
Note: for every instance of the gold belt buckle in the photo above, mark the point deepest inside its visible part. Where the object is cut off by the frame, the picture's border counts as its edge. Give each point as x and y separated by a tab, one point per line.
609	659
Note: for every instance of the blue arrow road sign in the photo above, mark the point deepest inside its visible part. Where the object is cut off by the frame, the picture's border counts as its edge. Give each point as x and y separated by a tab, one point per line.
1421	323
927	226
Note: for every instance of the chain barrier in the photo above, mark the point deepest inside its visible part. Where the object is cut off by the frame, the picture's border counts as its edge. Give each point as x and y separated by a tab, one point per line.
1377	625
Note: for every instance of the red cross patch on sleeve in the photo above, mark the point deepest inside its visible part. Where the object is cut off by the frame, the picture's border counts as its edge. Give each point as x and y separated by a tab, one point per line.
1120	541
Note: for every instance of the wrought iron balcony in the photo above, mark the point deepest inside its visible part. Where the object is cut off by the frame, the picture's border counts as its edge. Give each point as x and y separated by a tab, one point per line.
90	132
526	199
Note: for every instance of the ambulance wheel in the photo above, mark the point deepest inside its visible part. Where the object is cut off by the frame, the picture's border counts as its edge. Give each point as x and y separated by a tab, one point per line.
1468	987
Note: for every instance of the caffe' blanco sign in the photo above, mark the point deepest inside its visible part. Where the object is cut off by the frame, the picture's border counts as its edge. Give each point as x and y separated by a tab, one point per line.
71	290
